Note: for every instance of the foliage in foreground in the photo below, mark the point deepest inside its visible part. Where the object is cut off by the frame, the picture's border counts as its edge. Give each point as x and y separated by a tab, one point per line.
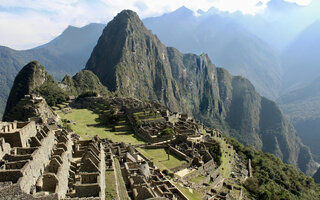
272	179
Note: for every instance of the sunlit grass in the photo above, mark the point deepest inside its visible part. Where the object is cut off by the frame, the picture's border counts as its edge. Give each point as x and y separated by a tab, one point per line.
111	191
194	195
160	158
87	125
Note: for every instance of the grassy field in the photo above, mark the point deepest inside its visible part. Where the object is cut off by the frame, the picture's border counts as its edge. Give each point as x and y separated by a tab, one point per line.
121	185
226	167
197	179
111	192
194	195
87	125
160	158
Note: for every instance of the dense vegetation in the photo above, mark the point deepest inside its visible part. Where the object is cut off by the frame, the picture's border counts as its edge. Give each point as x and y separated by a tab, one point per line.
52	93
88	94
83	82
215	152
167	132
272	179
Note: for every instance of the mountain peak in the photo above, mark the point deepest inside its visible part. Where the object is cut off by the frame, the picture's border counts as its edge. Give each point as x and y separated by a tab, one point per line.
125	33
127	17
127	14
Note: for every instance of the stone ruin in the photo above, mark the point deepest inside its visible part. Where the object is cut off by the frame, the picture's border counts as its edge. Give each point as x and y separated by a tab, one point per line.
41	161
142	179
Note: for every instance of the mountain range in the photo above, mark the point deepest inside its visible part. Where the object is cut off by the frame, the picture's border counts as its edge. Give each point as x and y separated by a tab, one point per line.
217	102
130	61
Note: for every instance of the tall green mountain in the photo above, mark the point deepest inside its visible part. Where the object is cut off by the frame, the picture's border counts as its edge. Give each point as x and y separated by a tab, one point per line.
66	54
131	61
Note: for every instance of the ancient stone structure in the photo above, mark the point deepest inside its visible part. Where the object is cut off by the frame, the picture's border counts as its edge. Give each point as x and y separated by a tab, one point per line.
41	161
142	179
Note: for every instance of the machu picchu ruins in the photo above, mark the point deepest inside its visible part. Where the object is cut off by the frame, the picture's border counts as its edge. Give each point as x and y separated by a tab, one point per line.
43	158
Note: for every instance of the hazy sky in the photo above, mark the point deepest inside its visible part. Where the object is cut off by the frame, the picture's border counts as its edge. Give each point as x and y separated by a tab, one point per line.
29	23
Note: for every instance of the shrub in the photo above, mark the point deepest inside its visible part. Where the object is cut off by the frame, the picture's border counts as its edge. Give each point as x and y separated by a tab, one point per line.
167	132
88	94
215	152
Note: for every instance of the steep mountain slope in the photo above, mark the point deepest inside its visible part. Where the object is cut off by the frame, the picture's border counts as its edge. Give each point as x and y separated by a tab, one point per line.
225	40
301	58
65	54
131	61
303	108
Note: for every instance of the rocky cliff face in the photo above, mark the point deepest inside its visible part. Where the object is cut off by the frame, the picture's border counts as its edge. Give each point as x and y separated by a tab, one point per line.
131	61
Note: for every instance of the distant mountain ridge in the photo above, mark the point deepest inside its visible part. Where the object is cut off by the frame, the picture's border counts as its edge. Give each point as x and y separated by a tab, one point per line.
228	43
131	61
66	54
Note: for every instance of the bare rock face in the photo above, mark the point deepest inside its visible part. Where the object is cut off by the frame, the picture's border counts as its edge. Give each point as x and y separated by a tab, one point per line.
131	61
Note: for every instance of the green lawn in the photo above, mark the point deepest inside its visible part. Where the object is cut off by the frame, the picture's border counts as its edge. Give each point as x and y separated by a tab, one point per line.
194	195
160	158
111	191
197	179
121	185
226	167
87	126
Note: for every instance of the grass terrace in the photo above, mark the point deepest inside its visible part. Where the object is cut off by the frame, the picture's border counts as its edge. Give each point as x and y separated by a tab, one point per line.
111	192
86	125
120	183
147	116
197	179
160	158
190	194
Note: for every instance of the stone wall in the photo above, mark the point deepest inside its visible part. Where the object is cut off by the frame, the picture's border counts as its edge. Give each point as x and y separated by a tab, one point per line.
63	172
17	134
4	147
35	167
26	132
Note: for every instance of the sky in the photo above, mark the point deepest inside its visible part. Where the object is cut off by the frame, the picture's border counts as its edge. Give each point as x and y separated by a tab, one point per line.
29	23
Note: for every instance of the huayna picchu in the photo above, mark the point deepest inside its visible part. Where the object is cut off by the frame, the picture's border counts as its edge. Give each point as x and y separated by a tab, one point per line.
144	121
130	61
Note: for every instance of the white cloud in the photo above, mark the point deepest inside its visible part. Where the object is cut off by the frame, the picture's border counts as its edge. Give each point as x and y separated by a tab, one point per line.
301	2
29	23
